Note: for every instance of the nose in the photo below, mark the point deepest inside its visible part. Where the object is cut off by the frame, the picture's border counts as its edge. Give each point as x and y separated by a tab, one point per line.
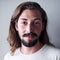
30	28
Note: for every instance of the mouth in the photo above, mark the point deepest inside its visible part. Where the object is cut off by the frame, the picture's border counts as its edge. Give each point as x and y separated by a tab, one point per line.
30	37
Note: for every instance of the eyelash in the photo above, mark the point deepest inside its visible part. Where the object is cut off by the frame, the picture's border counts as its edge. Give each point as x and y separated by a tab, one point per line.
25	23
36	22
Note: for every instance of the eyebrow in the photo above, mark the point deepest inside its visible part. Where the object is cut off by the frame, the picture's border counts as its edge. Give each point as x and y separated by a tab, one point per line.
32	19
23	18
37	19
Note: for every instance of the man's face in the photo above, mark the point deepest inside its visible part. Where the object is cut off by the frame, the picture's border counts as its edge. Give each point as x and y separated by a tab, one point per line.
29	25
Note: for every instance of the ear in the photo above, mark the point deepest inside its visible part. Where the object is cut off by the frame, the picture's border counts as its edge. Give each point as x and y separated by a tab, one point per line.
16	26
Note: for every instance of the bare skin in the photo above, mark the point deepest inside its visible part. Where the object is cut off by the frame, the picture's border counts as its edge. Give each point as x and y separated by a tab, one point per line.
31	50
29	21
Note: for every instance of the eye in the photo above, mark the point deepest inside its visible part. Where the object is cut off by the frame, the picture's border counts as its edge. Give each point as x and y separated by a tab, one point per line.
37	22
24	23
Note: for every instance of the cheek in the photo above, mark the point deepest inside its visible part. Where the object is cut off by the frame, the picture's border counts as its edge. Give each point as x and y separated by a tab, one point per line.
20	30
38	30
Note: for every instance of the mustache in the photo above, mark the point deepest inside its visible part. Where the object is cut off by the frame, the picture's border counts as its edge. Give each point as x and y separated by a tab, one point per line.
32	34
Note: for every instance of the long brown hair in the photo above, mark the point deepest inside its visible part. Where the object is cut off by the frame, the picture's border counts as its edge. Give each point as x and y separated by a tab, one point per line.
13	37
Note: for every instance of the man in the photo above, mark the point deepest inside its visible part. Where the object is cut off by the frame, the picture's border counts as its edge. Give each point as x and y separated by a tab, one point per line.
28	37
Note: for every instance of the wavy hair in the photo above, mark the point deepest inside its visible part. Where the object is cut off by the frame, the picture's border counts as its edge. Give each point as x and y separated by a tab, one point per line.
13	37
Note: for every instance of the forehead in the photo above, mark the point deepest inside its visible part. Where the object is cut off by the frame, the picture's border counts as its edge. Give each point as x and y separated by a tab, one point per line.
30	14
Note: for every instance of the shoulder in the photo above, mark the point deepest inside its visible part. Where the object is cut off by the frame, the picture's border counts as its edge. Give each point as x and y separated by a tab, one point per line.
52	50
9	55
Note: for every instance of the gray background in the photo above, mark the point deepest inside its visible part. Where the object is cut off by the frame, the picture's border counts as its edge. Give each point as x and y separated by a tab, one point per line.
52	8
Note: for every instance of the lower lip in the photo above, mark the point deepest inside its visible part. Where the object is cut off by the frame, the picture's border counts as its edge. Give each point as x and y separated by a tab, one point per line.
30	37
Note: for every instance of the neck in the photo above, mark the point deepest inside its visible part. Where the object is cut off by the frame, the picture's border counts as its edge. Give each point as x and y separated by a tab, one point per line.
30	50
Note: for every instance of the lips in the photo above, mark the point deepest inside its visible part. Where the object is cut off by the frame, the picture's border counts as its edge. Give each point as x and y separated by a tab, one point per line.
30	36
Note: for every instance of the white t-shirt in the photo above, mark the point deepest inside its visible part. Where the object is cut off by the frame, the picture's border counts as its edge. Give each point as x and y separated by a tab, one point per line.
45	53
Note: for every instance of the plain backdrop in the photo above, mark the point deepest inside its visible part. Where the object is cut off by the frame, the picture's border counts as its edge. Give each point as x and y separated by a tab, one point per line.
52	8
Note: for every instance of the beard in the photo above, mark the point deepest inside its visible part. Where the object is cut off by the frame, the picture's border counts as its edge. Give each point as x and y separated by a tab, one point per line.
30	43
